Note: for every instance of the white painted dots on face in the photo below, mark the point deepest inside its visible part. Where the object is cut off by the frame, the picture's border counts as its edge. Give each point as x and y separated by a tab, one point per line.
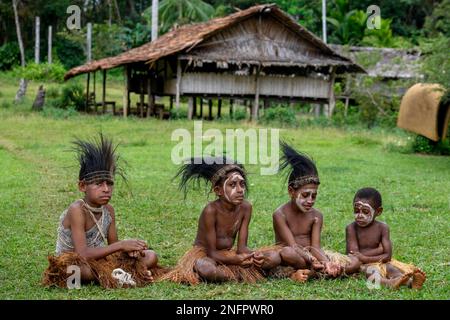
364	213
306	198
236	181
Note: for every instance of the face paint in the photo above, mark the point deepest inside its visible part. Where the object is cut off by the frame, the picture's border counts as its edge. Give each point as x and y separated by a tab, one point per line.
305	199
237	179
364	213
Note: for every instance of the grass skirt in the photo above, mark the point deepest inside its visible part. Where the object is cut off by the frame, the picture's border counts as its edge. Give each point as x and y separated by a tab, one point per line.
185	273
381	267
56	273
337	257
286	271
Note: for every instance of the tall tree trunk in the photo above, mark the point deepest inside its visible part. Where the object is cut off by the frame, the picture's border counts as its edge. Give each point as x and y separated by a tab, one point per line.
109	13
132	6
49	54
116	7
155	6
19	34
37	43
23	82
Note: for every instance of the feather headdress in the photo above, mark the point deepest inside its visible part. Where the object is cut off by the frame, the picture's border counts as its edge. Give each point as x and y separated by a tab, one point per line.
209	169
302	169
98	159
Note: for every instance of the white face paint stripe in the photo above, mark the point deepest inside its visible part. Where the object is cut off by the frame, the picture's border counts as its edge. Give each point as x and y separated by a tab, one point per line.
367	218
300	201
225	190
362	204
233	176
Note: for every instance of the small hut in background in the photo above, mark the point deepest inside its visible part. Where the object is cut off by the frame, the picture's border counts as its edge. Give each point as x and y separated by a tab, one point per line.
258	54
387	65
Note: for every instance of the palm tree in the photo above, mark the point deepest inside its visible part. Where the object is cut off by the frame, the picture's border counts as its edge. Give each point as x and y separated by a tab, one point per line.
347	25
178	12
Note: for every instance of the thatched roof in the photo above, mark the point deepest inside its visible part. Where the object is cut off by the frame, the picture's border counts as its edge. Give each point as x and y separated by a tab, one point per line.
187	37
384	62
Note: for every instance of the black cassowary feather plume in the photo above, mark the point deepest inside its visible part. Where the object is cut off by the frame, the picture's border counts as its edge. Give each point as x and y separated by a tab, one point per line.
302	169
209	169
97	158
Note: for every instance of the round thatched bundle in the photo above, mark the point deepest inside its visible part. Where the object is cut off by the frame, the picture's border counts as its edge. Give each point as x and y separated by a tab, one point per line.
422	113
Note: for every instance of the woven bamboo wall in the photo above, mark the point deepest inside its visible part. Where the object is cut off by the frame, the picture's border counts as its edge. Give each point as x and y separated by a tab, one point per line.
226	84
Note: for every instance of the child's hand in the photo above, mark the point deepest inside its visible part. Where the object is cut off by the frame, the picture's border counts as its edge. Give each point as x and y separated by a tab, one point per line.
245	259
136	254
258	259
359	256
333	269
316	264
133	245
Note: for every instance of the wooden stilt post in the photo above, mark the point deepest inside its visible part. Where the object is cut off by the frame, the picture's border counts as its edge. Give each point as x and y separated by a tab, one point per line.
219	108
104	92
331	98
128	89
177	99
87	92
210	105
125	92
142	99
266	105
190	107
151	97
201	107
346	106
347	93
171	103
255	107
94	100
195	107
231	108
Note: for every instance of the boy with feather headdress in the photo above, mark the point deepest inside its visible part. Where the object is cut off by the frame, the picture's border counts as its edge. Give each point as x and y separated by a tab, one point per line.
87	236
212	257
298	225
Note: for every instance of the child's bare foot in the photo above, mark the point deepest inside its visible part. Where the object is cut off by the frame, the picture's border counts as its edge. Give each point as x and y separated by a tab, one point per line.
301	275
399	281
150	276
418	278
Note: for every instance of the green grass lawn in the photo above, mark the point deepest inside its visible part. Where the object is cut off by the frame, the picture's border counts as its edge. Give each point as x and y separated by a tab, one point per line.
38	181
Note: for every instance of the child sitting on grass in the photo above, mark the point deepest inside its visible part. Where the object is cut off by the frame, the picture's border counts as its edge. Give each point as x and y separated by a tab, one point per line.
298	225
87	235
212	258
368	240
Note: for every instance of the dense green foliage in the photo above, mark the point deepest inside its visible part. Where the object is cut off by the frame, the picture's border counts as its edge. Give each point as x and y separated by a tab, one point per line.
41	72
9	55
129	25
121	25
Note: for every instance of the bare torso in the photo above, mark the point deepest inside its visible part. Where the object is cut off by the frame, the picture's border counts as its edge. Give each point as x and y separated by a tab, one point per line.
369	238
227	224
299	223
